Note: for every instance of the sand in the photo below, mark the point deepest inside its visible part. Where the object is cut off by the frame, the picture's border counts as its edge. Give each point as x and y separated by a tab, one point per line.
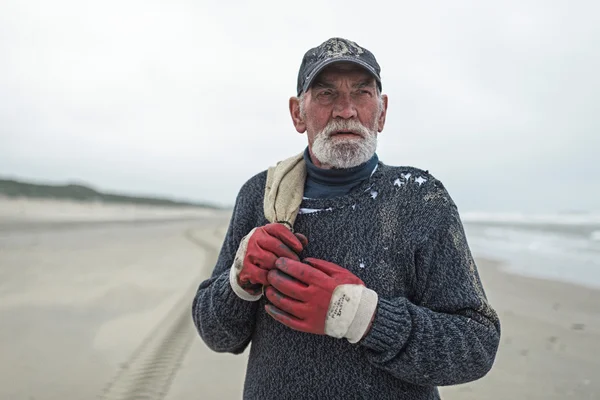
102	311
77	304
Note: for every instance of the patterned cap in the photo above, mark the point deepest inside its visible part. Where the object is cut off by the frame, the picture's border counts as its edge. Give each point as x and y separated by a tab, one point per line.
332	51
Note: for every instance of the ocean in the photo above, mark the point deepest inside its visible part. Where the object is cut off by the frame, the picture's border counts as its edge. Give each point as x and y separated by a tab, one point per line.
563	247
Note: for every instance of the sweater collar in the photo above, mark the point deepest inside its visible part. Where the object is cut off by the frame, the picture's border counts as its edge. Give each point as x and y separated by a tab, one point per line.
337	177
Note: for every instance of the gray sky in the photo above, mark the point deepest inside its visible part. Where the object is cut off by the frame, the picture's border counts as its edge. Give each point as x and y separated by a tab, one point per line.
188	99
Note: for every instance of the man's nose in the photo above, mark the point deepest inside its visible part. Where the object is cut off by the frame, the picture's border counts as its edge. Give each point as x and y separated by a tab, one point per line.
344	107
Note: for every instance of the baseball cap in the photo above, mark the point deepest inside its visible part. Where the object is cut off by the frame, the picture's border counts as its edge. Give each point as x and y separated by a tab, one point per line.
331	51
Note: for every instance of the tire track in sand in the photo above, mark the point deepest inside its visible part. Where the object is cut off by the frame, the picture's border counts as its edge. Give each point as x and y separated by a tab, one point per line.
151	368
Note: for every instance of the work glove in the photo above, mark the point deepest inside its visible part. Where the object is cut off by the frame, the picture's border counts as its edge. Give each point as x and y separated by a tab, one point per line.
320	297
257	254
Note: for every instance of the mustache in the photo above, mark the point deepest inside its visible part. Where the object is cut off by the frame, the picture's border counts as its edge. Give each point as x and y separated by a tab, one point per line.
345	125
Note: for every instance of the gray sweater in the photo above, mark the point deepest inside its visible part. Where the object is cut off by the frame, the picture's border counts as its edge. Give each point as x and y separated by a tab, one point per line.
400	232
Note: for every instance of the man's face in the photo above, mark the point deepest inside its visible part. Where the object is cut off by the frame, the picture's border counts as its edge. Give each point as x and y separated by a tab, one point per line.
342	114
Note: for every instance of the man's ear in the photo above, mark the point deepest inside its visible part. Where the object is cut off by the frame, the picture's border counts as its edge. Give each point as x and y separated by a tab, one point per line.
297	119
381	121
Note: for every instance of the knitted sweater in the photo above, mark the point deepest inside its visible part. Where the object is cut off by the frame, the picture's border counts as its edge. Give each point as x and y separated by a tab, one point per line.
400	232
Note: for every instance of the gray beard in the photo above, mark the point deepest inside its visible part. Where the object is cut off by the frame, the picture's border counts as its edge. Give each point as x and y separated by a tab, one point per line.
344	153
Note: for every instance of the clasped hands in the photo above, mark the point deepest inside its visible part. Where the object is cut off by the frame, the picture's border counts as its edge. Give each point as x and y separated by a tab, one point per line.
310	295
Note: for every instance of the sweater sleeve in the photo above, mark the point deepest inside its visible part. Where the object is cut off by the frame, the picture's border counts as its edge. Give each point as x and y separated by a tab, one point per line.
450	334
224	321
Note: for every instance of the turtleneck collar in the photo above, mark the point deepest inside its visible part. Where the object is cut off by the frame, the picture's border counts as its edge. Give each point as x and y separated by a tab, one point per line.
328	183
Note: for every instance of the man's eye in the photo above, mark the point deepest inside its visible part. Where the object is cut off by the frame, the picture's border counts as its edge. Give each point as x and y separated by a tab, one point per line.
326	93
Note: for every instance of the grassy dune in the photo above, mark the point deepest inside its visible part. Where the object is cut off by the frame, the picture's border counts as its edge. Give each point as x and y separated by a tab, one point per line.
14	188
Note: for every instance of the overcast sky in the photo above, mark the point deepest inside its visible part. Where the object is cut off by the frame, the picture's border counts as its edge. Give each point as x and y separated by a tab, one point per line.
188	99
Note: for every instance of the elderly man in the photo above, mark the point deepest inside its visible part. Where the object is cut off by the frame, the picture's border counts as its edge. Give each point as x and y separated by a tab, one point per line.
351	278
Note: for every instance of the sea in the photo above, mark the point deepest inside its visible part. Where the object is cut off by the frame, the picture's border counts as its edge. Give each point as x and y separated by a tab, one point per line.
562	246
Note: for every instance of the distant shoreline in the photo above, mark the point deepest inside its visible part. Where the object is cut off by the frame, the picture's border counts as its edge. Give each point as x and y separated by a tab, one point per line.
21	211
13	189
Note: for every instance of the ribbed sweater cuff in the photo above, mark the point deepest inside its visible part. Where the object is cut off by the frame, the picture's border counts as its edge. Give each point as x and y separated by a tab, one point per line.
391	327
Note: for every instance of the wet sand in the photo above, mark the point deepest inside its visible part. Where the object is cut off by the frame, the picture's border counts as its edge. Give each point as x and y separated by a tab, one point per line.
102	310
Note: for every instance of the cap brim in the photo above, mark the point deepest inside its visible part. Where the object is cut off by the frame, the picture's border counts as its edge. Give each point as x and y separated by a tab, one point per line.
317	70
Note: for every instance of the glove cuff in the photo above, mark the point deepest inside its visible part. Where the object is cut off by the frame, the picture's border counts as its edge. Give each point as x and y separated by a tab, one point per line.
363	317
350	312
343	306
237	289
236	268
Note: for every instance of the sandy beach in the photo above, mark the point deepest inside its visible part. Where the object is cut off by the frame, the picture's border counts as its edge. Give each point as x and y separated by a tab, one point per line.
102	310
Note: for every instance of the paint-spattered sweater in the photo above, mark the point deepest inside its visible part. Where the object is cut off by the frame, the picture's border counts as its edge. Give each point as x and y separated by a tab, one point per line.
400	232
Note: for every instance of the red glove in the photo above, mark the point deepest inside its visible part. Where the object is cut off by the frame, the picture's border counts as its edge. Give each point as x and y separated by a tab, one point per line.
320	297
258	252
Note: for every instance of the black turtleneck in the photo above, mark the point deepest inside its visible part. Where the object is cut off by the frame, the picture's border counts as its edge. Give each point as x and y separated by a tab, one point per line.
328	183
